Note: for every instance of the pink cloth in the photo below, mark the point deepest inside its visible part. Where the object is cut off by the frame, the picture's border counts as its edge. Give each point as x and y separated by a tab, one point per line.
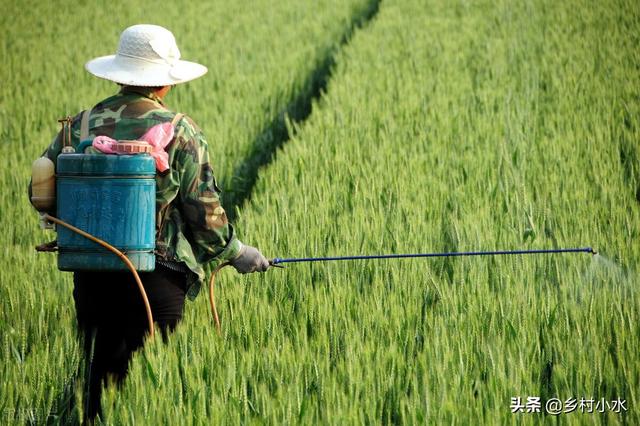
158	137
104	144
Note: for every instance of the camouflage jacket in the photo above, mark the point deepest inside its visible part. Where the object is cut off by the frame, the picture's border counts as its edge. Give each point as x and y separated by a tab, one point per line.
191	225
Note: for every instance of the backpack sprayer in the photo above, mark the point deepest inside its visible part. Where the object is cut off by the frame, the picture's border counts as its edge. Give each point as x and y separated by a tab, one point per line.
99	198
111	198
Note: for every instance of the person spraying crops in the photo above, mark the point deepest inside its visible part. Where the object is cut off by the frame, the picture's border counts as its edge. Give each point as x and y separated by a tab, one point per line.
188	227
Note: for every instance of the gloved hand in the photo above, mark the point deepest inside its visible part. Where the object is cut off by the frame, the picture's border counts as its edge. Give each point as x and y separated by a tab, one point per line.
249	259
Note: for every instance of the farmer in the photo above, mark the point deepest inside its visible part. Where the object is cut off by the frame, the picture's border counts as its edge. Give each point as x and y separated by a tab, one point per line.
191	226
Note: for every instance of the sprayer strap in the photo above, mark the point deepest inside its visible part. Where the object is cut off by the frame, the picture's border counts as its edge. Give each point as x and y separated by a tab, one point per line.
162	215
84	125
176	119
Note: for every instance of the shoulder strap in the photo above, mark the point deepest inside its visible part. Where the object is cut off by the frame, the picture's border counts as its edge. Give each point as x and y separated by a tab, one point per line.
162	215
176	119
84	125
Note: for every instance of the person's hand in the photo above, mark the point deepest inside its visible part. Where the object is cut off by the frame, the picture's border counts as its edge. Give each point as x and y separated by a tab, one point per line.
249	259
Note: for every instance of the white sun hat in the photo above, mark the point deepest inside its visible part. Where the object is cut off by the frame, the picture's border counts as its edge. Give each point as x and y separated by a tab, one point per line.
147	56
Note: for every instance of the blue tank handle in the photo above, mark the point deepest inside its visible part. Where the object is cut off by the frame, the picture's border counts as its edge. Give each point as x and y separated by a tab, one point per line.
84	145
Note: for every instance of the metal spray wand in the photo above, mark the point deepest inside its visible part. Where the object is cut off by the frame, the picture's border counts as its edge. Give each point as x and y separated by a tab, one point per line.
278	261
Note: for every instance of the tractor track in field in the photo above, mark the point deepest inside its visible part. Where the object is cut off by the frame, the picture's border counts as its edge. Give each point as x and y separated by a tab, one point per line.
263	150
245	175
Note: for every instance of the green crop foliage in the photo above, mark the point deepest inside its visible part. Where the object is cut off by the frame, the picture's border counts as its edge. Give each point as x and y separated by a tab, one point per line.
445	126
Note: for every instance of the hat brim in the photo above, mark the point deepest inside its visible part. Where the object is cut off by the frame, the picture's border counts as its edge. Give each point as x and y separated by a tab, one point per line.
138	72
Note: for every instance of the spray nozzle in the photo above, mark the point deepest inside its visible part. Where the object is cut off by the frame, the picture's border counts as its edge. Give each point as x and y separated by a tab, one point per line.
275	263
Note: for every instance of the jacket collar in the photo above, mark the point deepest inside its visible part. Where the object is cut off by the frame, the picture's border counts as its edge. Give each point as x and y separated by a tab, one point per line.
147	92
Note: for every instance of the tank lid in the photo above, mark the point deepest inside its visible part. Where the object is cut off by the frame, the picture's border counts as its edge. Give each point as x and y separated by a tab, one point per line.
105	165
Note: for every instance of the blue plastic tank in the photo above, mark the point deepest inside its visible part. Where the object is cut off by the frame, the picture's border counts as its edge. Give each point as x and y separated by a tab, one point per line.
112	197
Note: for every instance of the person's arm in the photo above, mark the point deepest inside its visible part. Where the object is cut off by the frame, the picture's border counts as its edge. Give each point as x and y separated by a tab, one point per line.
54	149
212	236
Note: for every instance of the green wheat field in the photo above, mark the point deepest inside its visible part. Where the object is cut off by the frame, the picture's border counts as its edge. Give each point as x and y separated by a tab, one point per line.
348	127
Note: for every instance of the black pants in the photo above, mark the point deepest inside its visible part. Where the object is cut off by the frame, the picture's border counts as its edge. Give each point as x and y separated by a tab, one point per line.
112	320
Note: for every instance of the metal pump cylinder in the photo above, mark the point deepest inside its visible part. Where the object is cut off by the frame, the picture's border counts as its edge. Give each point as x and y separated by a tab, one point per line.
112	197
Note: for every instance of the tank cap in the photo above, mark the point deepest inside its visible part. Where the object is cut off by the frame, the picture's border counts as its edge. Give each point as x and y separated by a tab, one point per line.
132	147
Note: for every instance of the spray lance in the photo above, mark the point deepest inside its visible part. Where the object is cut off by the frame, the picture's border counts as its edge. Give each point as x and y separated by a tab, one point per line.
279	263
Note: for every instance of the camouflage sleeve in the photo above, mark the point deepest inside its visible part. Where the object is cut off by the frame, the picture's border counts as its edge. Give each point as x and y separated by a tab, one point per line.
212	236
54	149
